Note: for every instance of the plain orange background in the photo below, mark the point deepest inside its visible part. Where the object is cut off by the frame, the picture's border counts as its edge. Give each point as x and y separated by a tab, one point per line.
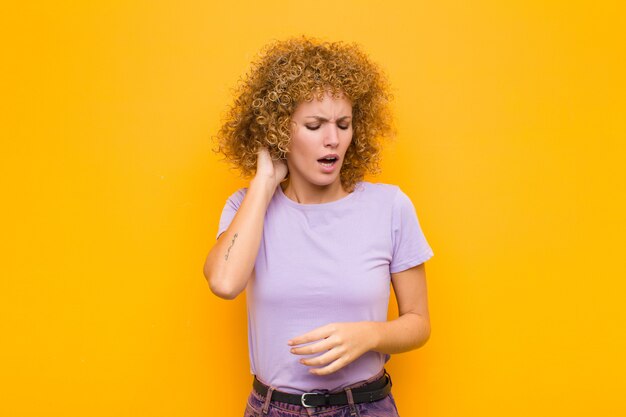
511	145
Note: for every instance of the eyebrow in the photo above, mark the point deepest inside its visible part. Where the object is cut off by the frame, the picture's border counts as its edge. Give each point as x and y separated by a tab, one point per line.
323	119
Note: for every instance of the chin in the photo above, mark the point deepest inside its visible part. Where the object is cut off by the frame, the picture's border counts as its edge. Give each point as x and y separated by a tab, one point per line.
320	179
326	181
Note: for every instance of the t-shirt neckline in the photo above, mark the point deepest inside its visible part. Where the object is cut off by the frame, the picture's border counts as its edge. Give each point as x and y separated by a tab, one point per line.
316	206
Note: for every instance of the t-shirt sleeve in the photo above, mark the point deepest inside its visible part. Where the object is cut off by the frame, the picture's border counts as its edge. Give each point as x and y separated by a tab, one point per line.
410	247
229	210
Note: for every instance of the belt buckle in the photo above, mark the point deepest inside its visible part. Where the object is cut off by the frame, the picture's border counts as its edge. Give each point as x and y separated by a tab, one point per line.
303	399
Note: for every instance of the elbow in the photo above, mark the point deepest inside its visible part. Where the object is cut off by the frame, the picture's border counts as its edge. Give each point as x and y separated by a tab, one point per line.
226	292
424	334
421	331
222	284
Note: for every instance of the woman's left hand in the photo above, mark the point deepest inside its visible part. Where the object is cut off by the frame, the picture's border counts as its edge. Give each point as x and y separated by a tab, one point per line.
342	343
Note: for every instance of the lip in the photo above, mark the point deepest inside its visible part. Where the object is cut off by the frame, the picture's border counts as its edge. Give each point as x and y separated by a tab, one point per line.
331	168
330	155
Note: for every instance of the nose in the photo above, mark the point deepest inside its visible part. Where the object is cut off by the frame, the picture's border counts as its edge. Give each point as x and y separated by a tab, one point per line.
331	137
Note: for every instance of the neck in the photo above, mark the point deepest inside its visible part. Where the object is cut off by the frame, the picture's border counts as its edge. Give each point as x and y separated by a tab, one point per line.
307	193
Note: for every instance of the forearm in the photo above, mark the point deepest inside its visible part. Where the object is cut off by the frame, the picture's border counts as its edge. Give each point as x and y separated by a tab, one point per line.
230	262
408	332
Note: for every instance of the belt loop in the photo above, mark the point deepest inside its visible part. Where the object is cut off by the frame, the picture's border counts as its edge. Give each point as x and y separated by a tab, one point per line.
388	377
268	398
353	410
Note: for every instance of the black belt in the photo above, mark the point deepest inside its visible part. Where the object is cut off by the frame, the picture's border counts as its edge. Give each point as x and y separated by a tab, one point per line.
373	391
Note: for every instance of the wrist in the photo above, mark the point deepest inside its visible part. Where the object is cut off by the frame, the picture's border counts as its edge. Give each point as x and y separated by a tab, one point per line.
264	185
375	329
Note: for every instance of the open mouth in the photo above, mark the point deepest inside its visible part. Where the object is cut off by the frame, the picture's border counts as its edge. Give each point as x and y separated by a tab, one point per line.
327	162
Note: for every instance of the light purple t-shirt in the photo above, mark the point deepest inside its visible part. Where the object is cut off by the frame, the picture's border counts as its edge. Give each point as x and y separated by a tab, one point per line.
324	263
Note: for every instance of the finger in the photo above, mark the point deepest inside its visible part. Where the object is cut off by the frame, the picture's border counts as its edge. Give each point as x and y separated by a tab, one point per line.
316	334
333	367
324	359
317	347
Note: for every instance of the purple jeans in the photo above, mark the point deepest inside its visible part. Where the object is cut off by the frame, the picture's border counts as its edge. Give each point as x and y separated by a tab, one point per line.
258	407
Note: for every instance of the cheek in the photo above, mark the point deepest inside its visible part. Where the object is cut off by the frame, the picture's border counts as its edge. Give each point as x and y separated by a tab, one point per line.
300	150
304	143
348	137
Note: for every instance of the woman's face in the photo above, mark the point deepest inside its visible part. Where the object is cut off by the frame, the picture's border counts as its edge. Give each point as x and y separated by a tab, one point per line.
320	129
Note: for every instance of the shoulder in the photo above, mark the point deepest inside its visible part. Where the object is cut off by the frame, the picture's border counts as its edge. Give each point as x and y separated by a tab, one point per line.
239	193
380	190
389	196
235	199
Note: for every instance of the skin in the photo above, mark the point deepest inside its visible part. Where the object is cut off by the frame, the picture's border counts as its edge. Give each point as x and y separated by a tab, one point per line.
318	128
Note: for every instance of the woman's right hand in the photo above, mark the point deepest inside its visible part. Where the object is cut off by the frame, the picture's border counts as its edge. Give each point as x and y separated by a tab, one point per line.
269	170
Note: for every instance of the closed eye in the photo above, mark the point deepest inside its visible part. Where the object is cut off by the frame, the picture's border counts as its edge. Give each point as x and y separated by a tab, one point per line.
342	127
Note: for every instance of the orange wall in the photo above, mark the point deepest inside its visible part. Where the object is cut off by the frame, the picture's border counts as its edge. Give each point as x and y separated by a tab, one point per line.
511	145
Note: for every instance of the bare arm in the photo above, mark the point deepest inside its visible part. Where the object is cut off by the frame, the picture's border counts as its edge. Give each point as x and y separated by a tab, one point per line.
411	329
230	263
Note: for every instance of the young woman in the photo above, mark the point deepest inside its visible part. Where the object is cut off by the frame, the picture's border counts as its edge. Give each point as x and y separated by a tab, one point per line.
314	246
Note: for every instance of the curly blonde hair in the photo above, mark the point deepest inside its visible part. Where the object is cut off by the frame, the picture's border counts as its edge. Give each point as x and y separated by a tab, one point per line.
299	69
